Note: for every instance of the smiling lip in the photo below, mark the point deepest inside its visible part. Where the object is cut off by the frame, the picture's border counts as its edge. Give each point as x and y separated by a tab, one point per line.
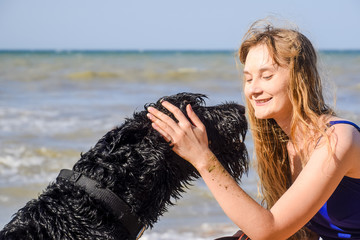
261	102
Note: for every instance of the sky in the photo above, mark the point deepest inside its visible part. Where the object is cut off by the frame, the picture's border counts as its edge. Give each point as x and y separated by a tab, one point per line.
169	24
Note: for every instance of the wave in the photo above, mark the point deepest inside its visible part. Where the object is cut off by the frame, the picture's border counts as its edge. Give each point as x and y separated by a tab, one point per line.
21	165
54	120
87	75
182	73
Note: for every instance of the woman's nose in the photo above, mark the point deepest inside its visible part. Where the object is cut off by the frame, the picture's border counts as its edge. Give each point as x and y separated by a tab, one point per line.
255	87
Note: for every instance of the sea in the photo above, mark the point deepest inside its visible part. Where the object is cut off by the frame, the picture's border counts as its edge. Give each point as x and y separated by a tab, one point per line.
56	104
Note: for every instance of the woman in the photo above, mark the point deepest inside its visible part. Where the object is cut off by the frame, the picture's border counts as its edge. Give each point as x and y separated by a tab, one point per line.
307	158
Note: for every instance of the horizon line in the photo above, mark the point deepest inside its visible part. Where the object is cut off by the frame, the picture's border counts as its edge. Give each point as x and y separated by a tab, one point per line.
143	50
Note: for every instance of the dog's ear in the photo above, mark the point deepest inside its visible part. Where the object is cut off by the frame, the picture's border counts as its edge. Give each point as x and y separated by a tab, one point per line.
125	134
129	134
180	100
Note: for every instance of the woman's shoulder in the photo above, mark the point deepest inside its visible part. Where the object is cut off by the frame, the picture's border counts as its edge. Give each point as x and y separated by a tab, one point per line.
346	130
340	131
341	121
345	136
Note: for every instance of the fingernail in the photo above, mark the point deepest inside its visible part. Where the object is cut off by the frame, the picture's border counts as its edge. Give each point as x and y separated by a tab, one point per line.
149	116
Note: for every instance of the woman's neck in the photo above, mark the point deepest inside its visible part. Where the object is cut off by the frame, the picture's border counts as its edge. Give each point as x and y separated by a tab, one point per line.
285	124
305	135
299	135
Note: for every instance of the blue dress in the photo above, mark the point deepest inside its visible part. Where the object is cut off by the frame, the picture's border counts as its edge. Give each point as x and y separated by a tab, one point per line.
339	217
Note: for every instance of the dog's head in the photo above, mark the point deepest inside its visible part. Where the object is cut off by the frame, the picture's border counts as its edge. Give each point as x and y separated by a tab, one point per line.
136	163
226	128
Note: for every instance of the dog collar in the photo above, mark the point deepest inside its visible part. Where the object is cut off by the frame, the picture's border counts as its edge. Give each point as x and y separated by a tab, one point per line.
117	205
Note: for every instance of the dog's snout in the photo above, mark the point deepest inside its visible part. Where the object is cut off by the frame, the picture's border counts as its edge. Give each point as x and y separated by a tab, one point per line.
241	108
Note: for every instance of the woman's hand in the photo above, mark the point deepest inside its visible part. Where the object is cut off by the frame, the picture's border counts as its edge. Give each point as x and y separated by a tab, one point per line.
189	139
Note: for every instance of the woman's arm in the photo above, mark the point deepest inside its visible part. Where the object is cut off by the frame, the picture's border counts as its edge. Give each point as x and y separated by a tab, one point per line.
294	209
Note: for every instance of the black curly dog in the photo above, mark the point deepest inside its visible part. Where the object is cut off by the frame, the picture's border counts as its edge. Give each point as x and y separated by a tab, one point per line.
128	179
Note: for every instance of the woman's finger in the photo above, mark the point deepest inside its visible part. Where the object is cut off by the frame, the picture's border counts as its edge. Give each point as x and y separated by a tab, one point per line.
176	111
163	128
194	118
166	136
164	120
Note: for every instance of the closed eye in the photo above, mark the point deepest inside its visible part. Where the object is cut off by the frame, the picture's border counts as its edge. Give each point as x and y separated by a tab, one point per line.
248	80
268	77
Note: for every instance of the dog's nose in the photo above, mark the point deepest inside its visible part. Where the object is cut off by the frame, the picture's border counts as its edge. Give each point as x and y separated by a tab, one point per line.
242	109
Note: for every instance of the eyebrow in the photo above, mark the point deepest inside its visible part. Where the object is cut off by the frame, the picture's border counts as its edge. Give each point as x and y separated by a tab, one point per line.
263	69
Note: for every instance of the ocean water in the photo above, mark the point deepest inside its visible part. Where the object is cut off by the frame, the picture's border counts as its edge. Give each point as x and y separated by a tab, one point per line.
55	105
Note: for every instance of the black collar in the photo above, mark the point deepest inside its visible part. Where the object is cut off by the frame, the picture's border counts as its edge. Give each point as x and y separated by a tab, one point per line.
117	205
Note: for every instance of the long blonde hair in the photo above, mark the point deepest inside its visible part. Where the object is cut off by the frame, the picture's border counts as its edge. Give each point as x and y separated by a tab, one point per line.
292	49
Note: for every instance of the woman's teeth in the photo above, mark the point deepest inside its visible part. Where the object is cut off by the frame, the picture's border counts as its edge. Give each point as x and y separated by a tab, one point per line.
263	100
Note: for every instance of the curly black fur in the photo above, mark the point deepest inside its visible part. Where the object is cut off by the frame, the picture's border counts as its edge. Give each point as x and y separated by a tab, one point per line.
139	166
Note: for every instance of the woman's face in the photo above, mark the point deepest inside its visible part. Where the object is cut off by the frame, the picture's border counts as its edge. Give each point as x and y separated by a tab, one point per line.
266	85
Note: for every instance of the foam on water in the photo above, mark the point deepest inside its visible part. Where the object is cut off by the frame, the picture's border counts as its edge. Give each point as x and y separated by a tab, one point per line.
21	165
35	121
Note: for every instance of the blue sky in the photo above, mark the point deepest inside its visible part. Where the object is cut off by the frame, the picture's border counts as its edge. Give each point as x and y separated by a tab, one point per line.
168	24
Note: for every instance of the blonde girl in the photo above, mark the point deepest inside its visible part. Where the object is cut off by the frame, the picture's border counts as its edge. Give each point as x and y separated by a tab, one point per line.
307	157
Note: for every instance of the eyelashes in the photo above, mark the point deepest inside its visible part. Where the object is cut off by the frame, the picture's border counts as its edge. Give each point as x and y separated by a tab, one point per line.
268	77
264	77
